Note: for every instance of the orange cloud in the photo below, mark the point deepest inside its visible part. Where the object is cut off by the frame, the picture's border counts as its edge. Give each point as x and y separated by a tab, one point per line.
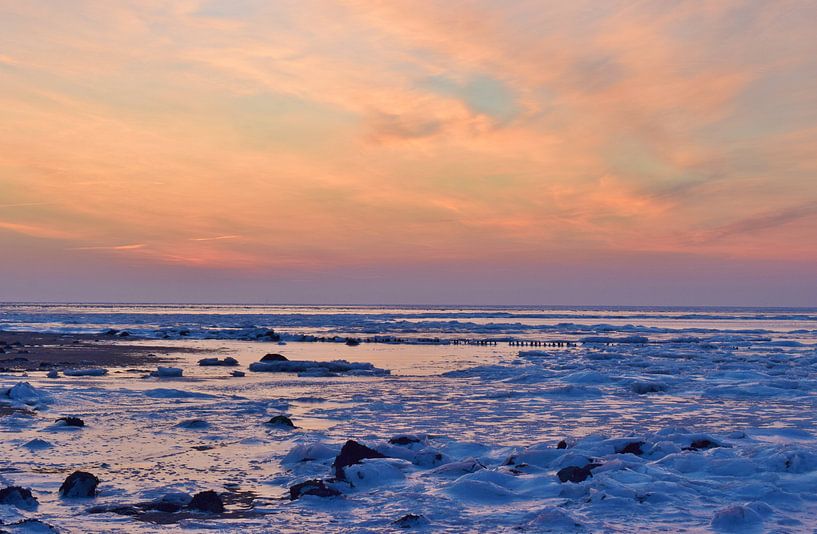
308	134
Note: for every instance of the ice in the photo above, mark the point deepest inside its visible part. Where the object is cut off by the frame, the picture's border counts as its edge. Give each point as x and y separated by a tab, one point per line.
376	472
554	520
737	519
317	368
308	452
37	444
708	425
24	392
167	372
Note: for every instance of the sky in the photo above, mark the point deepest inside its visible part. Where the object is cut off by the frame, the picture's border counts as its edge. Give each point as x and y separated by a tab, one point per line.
480	152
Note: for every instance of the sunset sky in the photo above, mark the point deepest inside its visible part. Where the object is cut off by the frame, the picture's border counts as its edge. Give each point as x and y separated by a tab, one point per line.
518	152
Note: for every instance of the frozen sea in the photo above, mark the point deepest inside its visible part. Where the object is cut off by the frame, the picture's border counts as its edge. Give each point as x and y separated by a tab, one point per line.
681	419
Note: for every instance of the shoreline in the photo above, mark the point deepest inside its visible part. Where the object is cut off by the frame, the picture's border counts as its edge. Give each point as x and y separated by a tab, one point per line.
36	351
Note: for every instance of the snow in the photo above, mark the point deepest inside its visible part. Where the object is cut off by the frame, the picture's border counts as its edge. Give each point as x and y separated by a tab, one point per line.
25	393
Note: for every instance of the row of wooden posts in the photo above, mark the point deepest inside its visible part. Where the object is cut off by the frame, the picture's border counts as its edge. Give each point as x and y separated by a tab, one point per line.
437	341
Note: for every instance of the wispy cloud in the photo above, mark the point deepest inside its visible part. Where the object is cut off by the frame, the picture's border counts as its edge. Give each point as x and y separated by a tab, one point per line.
134	246
8	60
766	220
36	230
26	204
215	238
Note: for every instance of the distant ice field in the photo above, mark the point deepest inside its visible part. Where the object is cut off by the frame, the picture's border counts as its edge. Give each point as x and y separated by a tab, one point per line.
240	322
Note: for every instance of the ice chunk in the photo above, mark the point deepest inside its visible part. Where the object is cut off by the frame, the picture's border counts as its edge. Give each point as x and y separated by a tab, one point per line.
26	393
737	519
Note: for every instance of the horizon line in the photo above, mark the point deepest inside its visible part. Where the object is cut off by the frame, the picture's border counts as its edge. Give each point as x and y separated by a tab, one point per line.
405	305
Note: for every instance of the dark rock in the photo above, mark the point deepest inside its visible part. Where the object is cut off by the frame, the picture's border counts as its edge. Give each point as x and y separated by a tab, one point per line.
411	521
352	342
123	334
19	497
281	420
274	358
352	453
702	445
207	501
561	445
404	440
226	362
317	488
238	373
79	484
642	388
632	448
576	474
270	335
168	507
119	509
71	421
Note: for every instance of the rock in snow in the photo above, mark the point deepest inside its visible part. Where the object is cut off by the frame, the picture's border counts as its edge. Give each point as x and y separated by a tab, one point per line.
576	474
18	497
411	521
71	421
642	388
167	372
352	453
318	488
207	501
634	447
274	358
282	421
228	362
85	372
79	484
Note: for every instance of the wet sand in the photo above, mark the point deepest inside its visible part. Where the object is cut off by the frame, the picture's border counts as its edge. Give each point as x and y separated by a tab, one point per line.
27	351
